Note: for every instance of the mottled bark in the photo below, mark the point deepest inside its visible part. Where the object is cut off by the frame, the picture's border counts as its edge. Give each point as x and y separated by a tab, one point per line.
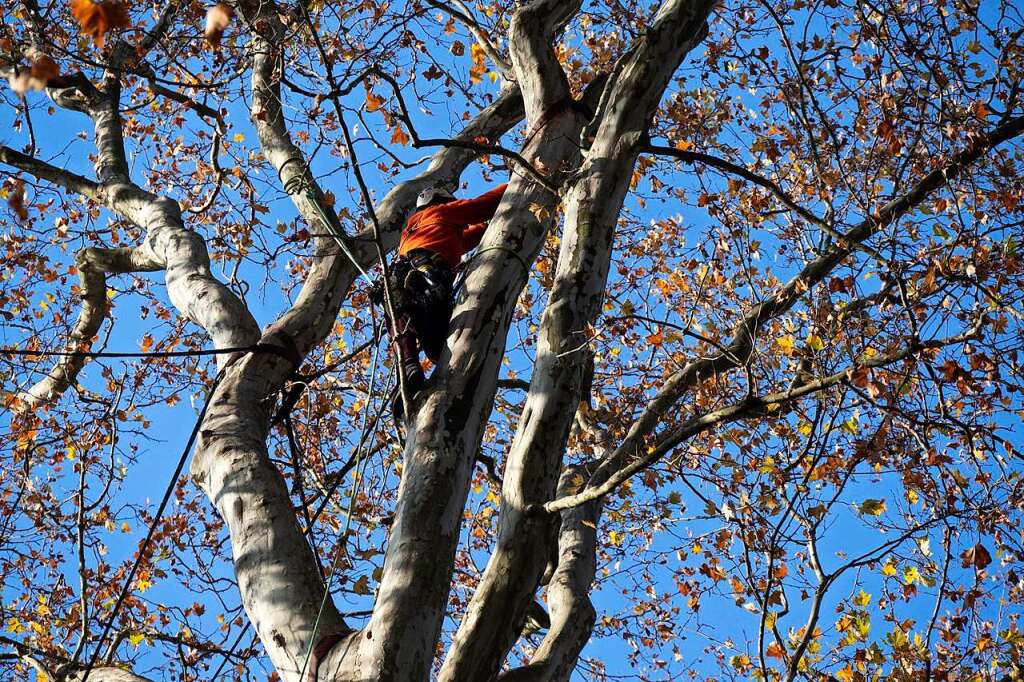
568	594
110	674
593	202
444	434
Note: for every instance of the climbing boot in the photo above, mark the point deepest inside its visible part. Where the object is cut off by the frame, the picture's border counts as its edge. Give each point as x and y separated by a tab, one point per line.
409	366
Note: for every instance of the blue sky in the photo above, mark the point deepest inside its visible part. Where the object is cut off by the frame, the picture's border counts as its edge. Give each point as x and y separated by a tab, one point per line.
160	443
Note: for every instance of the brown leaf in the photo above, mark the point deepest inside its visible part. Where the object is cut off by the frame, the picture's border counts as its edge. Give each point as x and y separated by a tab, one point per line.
16	200
218	18
35	77
97	19
977	556
373	102
44	69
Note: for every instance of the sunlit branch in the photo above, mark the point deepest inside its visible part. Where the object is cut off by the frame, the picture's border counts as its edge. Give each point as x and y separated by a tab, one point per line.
465	15
752	406
58	176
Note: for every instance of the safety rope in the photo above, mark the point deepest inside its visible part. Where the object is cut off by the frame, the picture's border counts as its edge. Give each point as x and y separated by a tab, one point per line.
254	348
360	465
152	528
297	184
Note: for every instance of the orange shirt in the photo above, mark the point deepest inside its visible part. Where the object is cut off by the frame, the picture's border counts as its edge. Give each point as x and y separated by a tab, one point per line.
450	229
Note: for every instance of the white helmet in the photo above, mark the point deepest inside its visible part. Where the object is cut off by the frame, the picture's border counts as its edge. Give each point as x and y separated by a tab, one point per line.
429	195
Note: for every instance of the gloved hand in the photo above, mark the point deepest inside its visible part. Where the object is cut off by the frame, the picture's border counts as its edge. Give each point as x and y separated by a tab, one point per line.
377	292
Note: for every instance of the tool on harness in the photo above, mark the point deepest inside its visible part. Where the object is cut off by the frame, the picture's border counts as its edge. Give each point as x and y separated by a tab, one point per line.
421	283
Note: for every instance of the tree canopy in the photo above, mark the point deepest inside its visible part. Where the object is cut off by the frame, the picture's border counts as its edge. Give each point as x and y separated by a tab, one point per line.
732	389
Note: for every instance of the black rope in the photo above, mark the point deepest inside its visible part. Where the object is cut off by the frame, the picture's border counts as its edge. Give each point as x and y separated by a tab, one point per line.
255	348
152	528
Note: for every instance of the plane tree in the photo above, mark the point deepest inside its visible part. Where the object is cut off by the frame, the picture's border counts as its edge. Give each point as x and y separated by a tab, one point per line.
732	380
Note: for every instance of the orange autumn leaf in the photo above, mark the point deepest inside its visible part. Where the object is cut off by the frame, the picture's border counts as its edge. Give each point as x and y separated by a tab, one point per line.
218	18
399	136
44	69
373	102
97	19
775	651
36	77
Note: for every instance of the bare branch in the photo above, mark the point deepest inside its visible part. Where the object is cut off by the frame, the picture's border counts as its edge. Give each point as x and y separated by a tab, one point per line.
760	181
92	264
465	15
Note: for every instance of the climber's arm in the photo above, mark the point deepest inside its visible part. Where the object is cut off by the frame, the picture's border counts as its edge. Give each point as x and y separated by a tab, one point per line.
471	211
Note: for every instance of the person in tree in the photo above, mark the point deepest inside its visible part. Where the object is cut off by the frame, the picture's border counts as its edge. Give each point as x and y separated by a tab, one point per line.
431	246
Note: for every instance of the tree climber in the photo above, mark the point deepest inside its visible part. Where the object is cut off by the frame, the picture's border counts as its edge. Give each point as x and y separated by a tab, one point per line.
433	241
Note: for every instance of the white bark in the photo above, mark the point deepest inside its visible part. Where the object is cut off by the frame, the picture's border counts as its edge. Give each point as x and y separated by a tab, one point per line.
446	428
110	674
593	202
572	613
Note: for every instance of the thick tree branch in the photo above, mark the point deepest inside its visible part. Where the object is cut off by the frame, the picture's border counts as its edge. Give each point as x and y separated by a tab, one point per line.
741	347
753	406
93	265
572	613
593	203
58	176
536	65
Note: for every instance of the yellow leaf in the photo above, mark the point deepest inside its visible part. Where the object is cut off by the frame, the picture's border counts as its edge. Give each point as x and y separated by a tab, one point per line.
815	342
845	675
911	575
785	344
872	507
135	639
862	598
239	137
